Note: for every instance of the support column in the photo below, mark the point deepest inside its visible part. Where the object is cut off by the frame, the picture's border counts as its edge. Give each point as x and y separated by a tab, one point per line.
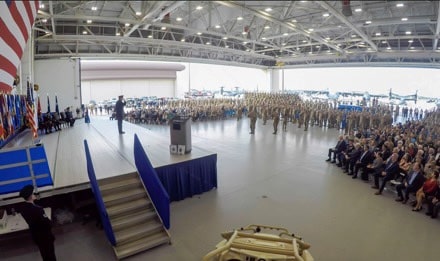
277	80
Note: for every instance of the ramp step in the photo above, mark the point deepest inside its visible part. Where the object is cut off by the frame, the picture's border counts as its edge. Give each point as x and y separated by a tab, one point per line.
120	185
142	244
133	219
127	176
124	196
129	207
136	232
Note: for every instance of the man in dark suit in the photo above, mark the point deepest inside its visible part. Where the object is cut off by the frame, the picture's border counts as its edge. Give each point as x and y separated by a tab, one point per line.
352	158
389	173
413	182
39	224
340	146
366	158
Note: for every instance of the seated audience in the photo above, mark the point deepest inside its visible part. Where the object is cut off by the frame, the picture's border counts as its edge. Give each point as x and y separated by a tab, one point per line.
337	150
389	173
429	188
412	183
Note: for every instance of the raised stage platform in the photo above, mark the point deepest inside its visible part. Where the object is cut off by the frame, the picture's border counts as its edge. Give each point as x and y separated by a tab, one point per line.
112	154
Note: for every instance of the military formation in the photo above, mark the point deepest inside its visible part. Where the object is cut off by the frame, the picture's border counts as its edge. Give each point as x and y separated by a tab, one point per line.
306	113
275	108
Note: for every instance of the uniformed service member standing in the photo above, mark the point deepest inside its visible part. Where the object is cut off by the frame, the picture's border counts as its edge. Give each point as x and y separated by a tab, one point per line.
119	109
39	224
253	118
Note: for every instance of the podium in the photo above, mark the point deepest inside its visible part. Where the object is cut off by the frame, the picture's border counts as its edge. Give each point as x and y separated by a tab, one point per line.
180	134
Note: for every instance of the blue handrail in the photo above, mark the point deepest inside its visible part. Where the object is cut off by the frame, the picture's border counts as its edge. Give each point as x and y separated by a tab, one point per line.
98	197
152	183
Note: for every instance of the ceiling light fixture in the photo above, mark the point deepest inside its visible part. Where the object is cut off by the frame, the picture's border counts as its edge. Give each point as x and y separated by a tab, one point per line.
225	38
353	36
408	32
388	48
127	24
267	27
283	44
118	34
89	21
178	19
384	42
268	9
199	33
410	41
400	5
285	34
41	6
264	38
226	46
368	22
327	38
150	36
412	47
138	13
293	20
326	14
44	20
94	8
199	7
217	26
84	32
163	28
378	34
357	10
239	18
182	40
208	43
311	30
304	41
404	19
243	33
245	42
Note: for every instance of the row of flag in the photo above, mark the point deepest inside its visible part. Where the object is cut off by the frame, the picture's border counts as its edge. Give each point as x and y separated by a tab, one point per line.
18	111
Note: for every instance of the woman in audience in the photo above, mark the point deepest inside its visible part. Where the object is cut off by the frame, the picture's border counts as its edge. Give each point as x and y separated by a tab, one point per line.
428	189
405	164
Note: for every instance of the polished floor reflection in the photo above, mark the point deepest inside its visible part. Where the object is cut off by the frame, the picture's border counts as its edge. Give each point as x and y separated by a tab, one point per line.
281	180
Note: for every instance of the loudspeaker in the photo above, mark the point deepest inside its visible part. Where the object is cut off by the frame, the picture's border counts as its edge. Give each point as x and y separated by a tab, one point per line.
173	149
180	149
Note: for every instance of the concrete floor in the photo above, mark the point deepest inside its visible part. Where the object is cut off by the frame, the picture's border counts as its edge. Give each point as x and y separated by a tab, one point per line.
280	180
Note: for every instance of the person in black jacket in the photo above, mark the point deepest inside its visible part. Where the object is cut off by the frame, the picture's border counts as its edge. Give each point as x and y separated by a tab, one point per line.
119	110
39	224
413	182
340	146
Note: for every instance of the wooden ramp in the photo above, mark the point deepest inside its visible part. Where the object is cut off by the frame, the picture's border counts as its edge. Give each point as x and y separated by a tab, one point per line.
134	220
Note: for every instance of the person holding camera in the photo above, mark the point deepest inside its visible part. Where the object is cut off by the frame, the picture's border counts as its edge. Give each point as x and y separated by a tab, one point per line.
39	224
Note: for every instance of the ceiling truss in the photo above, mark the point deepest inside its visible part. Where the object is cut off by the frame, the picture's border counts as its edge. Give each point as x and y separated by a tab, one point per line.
249	33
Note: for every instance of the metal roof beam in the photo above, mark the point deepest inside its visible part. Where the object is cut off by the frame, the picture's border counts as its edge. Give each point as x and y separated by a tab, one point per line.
51	18
437	29
288	25
341	17
155	9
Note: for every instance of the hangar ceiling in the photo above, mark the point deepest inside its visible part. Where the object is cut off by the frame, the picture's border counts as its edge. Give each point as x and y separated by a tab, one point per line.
248	33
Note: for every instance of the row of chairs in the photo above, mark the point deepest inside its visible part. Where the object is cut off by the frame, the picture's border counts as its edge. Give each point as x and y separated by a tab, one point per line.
53	121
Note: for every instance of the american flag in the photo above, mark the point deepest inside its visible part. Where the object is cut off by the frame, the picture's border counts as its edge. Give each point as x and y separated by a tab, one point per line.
16	21
30	111
2	129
